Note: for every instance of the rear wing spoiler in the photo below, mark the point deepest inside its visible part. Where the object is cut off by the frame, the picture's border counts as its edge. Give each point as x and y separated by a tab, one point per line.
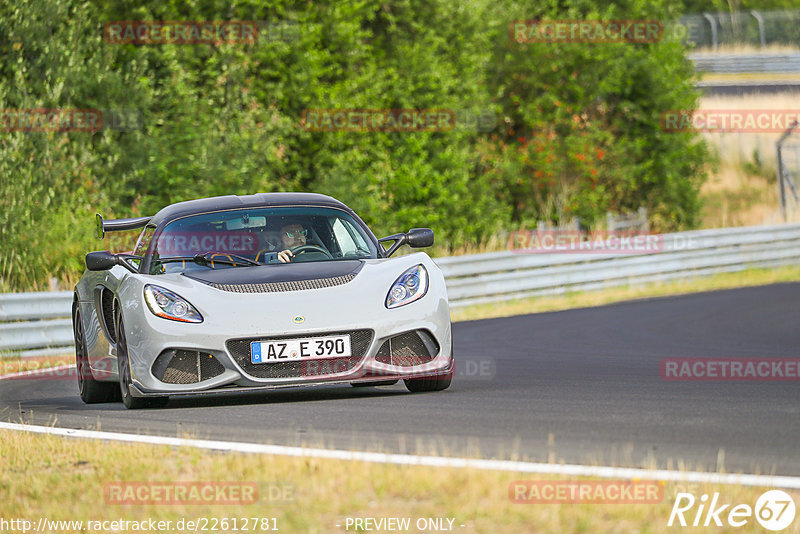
118	225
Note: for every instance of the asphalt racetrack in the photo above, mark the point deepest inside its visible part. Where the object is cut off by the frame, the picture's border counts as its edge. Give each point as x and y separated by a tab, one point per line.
580	386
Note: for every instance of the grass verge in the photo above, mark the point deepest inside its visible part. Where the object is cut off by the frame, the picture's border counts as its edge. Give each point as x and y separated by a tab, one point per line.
17	364
585	299
40	474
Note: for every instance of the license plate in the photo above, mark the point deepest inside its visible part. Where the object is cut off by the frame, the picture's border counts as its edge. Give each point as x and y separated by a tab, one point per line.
306	348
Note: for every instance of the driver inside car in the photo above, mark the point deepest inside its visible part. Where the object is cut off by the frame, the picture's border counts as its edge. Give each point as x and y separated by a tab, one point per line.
292	236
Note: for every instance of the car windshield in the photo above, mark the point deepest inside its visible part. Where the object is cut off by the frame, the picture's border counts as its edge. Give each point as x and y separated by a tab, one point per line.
256	236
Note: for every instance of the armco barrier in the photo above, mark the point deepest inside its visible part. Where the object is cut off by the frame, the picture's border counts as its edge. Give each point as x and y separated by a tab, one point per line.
509	275
747	63
39	323
36	324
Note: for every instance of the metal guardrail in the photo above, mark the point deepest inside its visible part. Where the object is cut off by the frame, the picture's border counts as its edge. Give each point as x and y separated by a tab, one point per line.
744	87
501	276
28	306
746	63
36	324
491	277
35	334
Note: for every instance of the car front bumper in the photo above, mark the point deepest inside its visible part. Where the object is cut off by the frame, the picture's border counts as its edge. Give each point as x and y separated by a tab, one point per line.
138	390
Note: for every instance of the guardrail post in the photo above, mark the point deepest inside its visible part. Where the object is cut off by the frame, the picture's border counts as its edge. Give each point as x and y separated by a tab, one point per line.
761	32
644	224
781	189
713	22
779	167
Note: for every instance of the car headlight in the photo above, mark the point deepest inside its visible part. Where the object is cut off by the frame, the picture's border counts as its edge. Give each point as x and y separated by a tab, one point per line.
169	305
412	285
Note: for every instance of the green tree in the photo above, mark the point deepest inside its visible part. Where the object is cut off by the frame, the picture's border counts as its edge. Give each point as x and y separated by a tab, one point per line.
582	123
577	130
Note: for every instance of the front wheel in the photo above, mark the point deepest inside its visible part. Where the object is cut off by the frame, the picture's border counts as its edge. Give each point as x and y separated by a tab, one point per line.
131	402
91	391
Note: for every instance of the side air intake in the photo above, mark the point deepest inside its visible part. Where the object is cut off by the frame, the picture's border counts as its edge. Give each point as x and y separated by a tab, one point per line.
177	366
408	349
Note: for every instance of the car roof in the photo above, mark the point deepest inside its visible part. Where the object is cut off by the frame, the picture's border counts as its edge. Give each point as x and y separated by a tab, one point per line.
204	205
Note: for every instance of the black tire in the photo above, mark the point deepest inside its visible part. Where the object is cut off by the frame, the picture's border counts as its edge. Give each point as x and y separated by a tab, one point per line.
432	383
124	366
91	391
429	383
375	383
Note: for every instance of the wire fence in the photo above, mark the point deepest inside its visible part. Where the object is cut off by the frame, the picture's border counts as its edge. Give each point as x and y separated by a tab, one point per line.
752	28
788	168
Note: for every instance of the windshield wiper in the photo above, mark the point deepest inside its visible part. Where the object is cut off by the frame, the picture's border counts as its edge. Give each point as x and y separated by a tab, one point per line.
235	259
203	259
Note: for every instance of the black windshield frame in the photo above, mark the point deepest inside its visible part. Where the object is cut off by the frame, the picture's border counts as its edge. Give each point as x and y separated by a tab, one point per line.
294	212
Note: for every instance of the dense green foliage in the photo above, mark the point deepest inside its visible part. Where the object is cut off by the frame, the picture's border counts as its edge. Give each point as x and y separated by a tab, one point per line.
576	130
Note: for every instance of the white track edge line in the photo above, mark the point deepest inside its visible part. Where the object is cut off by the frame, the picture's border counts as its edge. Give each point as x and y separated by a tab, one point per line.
776	481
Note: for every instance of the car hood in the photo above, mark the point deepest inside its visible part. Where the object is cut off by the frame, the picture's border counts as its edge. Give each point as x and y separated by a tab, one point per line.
244	311
266	274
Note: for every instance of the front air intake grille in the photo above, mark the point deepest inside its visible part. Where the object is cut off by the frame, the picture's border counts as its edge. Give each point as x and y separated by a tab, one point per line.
360	341
279	287
408	349
186	366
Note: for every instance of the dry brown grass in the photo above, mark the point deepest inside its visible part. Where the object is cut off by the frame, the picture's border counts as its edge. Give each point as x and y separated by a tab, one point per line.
749	76
744	190
734	197
63	479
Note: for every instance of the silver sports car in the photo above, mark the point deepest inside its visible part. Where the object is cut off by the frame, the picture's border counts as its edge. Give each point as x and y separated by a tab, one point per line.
269	290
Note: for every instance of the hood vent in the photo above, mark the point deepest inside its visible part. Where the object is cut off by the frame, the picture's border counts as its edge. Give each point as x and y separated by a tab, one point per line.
279	287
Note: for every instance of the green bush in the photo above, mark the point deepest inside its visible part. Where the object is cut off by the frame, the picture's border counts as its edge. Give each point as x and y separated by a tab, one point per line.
576	124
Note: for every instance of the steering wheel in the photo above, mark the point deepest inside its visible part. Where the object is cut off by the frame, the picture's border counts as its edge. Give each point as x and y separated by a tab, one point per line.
311	248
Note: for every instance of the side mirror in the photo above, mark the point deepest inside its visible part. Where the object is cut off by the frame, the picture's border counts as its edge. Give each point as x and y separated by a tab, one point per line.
100	261
416	238
104	260
420	237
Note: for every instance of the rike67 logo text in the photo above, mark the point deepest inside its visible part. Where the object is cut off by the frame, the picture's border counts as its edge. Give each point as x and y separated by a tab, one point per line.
774	510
